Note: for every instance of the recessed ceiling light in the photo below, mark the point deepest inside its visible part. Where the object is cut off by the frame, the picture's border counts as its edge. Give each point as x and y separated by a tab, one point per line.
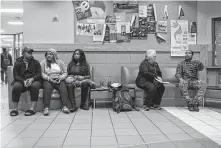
12	10
15	23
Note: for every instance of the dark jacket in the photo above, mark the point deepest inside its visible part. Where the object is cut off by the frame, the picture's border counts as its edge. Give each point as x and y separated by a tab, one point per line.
7	56
147	72
84	69
20	73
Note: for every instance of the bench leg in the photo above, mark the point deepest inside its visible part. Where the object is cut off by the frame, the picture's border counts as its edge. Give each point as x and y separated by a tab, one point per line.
94	103
203	101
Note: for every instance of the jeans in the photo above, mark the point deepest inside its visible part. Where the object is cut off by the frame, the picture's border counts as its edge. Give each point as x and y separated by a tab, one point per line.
85	92
49	87
19	88
4	76
153	93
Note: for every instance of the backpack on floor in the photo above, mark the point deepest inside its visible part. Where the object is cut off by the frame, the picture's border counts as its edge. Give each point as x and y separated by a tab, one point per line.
122	100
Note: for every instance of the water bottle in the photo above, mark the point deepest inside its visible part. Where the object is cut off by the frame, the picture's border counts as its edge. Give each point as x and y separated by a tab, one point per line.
109	82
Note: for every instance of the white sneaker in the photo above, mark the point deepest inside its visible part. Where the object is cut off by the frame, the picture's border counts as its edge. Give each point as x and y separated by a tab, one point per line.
46	112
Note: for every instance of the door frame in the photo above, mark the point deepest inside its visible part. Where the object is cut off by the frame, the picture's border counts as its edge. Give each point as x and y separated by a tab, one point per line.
213	39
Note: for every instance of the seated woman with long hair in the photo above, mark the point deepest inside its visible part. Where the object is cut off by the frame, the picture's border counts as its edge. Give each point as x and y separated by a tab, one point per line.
54	73
78	76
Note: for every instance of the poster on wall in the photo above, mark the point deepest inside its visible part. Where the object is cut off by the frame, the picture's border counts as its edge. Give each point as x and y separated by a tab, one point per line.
123	31
123	28
178	50
179	32
192	38
151	13
142	11
82	9
179	37
161	27
142	33
151	27
125	7
113	33
193	27
99	32
110	19
100	10
85	29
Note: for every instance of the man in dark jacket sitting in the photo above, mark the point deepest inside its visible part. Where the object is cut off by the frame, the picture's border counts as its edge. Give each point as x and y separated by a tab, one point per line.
148	79
27	76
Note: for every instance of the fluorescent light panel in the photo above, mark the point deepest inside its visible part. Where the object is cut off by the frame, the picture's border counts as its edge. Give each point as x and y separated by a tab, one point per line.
5	44
5	36
8	40
12	10
15	23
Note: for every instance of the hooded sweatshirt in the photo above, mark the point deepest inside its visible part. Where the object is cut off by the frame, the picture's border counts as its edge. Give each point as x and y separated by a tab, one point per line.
58	68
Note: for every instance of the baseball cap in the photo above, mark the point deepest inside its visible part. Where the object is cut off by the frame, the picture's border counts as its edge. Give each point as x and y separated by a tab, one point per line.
27	49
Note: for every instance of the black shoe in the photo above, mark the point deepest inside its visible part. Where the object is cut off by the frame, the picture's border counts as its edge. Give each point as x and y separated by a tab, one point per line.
196	107
85	107
74	109
190	106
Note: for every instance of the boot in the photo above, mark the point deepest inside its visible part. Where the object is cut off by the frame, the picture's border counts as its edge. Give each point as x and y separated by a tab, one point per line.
196	107
84	104
72	107
85	107
190	106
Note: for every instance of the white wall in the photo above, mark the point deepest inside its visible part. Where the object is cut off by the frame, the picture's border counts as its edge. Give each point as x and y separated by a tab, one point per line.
205	11
38	25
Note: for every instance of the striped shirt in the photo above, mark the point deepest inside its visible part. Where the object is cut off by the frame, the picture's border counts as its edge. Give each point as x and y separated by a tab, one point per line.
188	70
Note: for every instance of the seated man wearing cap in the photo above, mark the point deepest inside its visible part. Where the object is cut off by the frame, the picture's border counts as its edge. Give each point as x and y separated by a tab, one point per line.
149	73
186	73
27	76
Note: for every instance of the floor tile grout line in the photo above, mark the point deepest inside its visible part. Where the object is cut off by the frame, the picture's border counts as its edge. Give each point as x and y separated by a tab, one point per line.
200	119
203	113
91	126
113	128
203	121
136	128
46	129
196	129
176	125
12	122
69	128
159	128
23	129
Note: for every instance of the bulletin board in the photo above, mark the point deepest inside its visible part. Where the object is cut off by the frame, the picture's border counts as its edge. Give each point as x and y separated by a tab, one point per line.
109	13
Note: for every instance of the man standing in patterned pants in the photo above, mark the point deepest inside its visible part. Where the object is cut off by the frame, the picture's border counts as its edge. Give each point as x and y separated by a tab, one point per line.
186	73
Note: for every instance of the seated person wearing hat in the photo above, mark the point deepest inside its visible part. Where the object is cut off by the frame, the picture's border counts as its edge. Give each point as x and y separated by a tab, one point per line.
27	76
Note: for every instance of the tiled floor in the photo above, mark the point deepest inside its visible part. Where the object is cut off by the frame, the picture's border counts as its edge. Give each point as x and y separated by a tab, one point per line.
103	128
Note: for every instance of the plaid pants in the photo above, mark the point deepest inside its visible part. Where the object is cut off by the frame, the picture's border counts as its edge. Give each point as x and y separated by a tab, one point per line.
193	84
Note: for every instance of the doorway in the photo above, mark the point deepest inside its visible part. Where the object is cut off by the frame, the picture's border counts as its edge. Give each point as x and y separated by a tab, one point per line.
216	41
